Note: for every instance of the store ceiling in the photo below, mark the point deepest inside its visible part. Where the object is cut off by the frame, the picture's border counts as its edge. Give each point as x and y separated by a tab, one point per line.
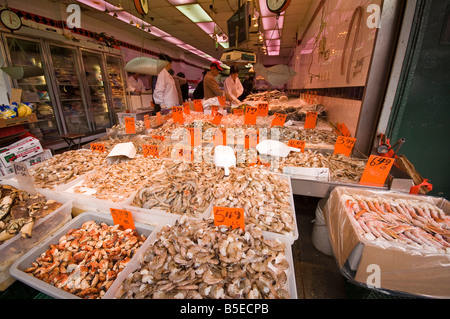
166	17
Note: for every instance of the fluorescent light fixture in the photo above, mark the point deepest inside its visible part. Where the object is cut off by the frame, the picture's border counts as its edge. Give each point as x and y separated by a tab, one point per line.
187	47
272	43
272	34
158	32
173	40
180	2
195	13
269	23
208	27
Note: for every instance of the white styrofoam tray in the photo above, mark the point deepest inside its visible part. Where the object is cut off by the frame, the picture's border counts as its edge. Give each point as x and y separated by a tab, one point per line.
17	269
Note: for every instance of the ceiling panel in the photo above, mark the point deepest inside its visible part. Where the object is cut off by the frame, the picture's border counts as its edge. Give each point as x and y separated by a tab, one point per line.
166	17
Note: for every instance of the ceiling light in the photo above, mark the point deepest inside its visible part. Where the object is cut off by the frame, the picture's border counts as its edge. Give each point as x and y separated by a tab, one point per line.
225	45
179	2
195	13
173	40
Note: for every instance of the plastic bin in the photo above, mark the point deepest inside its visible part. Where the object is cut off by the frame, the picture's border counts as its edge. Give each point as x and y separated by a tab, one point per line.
135	263
17	269
320	235
15	247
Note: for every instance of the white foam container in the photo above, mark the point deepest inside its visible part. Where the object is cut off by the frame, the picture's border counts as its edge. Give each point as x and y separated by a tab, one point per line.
87	201
135	263
17	269
16	246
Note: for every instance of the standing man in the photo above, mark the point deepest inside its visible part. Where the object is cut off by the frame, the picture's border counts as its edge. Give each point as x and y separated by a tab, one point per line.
135	84
232	86
165	94
210	86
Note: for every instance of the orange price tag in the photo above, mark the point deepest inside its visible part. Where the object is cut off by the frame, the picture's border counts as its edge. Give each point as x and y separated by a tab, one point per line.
220	137
196	136
158	118
344	145
251	113
98	147
311	120
185	154
150	150
238	112
258	162
130	125
263	109
278	120
177	114
344	130
229	217
159	137
251	139
198	106
217	118
123	218
376	171
147	122
186	108
222	100
297	144
214	110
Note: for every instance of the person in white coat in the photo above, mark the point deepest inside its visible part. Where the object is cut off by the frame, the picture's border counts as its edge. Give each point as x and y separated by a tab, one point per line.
135	84
165	94
232	86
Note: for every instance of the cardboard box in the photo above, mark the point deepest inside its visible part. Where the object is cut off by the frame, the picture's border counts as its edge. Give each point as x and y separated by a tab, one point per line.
20	151
401	268
45	155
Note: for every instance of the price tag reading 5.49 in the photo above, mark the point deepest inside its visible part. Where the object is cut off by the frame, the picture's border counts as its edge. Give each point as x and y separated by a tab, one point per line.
376	171
229	216
122	218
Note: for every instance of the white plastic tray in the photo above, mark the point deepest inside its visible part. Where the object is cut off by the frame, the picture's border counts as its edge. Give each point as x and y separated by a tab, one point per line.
135	263
17	269
15	247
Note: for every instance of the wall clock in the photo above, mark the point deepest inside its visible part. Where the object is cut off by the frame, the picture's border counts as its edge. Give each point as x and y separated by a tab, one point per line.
277	6
10	20
141	6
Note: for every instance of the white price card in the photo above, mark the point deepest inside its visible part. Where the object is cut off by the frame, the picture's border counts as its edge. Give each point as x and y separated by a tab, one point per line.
24	178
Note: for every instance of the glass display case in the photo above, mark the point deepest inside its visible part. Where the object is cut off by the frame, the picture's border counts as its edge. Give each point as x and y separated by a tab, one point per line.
35	85
96	91
116	82
70	90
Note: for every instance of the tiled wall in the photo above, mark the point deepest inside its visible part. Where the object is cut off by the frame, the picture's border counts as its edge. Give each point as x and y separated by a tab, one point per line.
319	56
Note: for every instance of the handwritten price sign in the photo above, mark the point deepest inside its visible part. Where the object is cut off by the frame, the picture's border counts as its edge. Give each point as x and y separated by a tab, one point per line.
130	125
122	218
222	100
147	122
220	137
251	139
177	114
150	150
376	171
98	147
311	120
344	145
186	108
195	136
297	144
238	112
185	154
278	120
159	137
158	118
229	217
217	118
263	109
251	113
23	177
198	106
